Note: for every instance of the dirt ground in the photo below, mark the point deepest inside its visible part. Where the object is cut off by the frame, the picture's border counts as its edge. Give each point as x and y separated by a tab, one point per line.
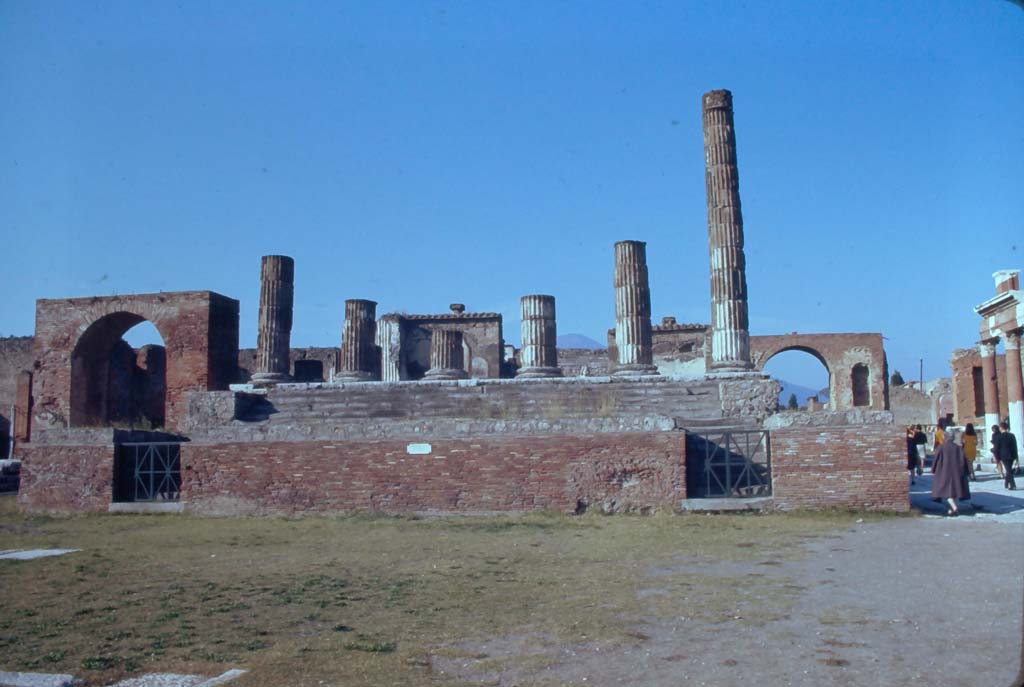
898	602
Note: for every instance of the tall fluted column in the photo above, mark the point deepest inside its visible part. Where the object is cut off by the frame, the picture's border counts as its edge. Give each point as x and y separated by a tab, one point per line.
358	361
277	277
987	349
730	333
446	355
1015	387
632	310
389	340
539	354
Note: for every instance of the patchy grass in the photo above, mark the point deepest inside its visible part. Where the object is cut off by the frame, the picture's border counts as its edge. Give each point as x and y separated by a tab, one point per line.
365	600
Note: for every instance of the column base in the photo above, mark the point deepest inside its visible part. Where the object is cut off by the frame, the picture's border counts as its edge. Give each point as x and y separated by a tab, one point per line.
354	376
442	373
538	372
269	378
635	370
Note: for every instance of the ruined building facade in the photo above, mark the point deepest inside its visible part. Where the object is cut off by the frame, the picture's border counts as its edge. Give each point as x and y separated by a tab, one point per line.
434	413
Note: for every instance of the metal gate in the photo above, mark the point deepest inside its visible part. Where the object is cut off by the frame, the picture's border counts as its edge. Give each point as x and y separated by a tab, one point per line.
148	471
728	464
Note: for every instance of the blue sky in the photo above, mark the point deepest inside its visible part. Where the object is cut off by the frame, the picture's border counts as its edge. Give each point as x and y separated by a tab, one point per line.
423	153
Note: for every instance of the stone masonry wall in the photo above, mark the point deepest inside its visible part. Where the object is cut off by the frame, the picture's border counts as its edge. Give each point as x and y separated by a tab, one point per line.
15	356
857	467
614	473
65	478
966	399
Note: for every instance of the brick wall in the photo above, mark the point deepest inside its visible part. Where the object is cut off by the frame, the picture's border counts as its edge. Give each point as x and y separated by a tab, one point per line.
15	356
614	472
65	479
860	467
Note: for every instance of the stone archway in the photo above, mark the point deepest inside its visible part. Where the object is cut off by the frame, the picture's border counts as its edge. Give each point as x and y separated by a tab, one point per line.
200	334
811	352
106	389
846	357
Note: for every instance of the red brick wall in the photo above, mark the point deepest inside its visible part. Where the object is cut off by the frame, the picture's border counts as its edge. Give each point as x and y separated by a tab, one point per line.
199	329
634	471
862	467
65	479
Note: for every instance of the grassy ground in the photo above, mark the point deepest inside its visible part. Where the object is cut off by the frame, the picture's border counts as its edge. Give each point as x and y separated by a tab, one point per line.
363	600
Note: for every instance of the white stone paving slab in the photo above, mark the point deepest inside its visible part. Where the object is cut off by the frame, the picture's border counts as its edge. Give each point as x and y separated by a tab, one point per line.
221	679
35	680
27	555
179	680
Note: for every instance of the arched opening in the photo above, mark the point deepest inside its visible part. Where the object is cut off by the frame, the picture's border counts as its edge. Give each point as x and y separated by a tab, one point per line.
804	376
859	382
119	374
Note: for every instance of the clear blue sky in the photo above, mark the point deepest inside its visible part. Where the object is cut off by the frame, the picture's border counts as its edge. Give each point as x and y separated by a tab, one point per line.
422	153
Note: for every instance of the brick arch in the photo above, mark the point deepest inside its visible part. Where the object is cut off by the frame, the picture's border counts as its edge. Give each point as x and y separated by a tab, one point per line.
839	353
90	360
200	333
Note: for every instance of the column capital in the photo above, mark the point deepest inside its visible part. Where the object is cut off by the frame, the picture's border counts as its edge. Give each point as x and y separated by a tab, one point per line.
987	347
1012	339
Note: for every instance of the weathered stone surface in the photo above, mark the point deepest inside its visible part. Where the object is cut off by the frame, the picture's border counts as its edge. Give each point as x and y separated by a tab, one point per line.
277	278
632	311
446	355
730	345
359	361
75	336
830	418
538	356
749	396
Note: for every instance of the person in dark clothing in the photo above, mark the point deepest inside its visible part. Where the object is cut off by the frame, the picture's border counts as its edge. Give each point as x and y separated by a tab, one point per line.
950	474
920	441
1005	448
911	453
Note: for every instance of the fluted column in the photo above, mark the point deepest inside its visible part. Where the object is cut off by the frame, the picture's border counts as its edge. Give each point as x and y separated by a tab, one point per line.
446	355
632	310
277	277
358	353
987	349
539	354
1015	387
730	334
389	340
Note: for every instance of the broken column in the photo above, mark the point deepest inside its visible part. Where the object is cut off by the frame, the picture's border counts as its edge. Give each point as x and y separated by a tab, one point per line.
1015	387
389	341
539	354
358	361
632	310
730	335
446	359
277	276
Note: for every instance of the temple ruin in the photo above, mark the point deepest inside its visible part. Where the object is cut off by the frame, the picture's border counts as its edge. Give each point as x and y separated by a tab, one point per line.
436	413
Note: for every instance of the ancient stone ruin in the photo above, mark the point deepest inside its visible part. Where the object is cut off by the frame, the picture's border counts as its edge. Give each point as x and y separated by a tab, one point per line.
435	413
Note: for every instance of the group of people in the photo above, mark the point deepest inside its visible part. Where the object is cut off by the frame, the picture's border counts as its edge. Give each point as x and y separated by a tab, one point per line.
955	455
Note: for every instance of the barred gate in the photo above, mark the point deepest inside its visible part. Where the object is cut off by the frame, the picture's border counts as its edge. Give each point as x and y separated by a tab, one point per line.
728	464
149	471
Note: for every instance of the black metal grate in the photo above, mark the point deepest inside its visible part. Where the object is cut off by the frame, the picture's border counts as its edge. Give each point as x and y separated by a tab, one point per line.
728	464
147	472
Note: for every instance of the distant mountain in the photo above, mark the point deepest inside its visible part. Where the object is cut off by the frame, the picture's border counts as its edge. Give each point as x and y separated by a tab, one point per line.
802	393
577	341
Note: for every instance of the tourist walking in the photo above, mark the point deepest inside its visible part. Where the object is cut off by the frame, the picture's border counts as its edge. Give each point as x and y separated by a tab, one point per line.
911	453
970	449
1006	452
921	441
950	474
995	451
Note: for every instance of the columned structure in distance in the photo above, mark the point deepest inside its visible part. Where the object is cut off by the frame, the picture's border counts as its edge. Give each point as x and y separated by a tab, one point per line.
633	310
730	335
446	359
358	361
273	339
539	354
1002	317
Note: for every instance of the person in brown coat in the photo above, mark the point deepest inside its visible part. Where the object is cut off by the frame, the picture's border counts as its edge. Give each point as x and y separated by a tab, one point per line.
950	474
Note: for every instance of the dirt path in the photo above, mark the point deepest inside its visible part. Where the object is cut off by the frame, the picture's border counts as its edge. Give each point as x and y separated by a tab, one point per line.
900	602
